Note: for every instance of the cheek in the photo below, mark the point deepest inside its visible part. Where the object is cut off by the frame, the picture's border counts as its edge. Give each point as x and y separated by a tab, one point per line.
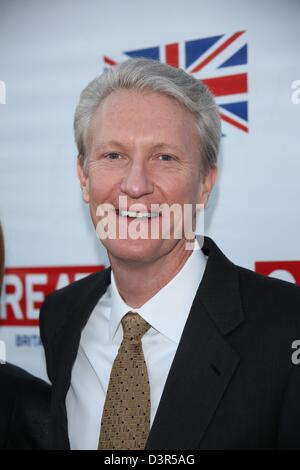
100	186
181	190
96	192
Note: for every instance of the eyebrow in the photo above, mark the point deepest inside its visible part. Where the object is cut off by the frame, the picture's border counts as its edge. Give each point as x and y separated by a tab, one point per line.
116	143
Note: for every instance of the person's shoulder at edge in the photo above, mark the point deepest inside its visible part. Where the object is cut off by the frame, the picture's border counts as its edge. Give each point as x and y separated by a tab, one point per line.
25	409
15	377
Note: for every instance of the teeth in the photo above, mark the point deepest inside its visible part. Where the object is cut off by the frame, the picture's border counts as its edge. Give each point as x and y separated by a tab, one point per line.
124	213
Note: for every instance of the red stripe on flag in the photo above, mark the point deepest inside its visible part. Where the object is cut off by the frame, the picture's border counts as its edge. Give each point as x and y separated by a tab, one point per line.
229	85
172	54
234	123
217	51
109	61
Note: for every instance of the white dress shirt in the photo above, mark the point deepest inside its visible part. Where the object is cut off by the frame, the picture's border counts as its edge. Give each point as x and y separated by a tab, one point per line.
166	312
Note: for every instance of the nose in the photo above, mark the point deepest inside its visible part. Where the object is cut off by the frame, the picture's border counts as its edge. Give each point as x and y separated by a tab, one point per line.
137	181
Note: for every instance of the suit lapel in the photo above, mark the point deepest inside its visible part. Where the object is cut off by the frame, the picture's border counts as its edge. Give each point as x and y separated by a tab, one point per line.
204	362
200	373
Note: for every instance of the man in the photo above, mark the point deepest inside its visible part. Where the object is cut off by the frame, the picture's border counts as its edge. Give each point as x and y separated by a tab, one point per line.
171	346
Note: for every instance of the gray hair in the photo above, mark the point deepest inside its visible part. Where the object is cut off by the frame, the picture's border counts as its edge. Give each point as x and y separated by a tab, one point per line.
151	75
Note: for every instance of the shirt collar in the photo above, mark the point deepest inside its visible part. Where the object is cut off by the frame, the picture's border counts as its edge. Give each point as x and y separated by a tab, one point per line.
168	310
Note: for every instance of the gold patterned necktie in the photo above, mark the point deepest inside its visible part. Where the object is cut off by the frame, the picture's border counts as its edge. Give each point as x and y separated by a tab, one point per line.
125	420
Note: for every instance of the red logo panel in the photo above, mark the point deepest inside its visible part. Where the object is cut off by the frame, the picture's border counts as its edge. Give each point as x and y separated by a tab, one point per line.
25	289
291	268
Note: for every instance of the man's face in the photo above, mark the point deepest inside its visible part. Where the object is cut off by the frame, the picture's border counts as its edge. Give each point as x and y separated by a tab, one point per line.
143	146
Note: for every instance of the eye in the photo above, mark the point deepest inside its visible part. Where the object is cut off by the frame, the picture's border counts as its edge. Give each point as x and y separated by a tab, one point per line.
166	157
112	156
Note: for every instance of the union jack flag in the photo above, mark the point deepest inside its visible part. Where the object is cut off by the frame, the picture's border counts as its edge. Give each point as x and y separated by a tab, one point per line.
219	61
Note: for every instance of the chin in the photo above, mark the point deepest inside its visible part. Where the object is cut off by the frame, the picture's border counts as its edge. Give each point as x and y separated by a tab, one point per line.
133	250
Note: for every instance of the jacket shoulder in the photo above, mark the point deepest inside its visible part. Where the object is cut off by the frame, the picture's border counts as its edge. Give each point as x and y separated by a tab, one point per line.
270	296
57	304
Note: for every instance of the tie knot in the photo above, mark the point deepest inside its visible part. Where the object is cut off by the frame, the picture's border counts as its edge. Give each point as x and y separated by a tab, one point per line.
134	326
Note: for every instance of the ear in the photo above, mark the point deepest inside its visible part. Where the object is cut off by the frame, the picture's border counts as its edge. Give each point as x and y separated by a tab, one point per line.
207	185
83	180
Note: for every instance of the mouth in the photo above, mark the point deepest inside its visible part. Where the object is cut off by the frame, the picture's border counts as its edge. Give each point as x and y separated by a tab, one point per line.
137	214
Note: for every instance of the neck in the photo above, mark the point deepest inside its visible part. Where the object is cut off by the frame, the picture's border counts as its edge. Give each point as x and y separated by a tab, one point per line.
155	274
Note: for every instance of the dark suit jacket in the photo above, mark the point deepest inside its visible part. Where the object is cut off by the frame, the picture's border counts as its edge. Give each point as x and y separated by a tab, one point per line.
232	384
24	410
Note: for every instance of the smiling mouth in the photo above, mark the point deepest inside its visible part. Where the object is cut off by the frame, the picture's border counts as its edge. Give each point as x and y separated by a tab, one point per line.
137	214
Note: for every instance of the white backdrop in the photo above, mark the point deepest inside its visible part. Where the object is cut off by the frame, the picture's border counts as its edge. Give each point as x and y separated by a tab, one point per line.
50	50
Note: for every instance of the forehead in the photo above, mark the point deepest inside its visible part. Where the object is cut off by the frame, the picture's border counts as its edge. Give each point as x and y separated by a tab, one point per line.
147	116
